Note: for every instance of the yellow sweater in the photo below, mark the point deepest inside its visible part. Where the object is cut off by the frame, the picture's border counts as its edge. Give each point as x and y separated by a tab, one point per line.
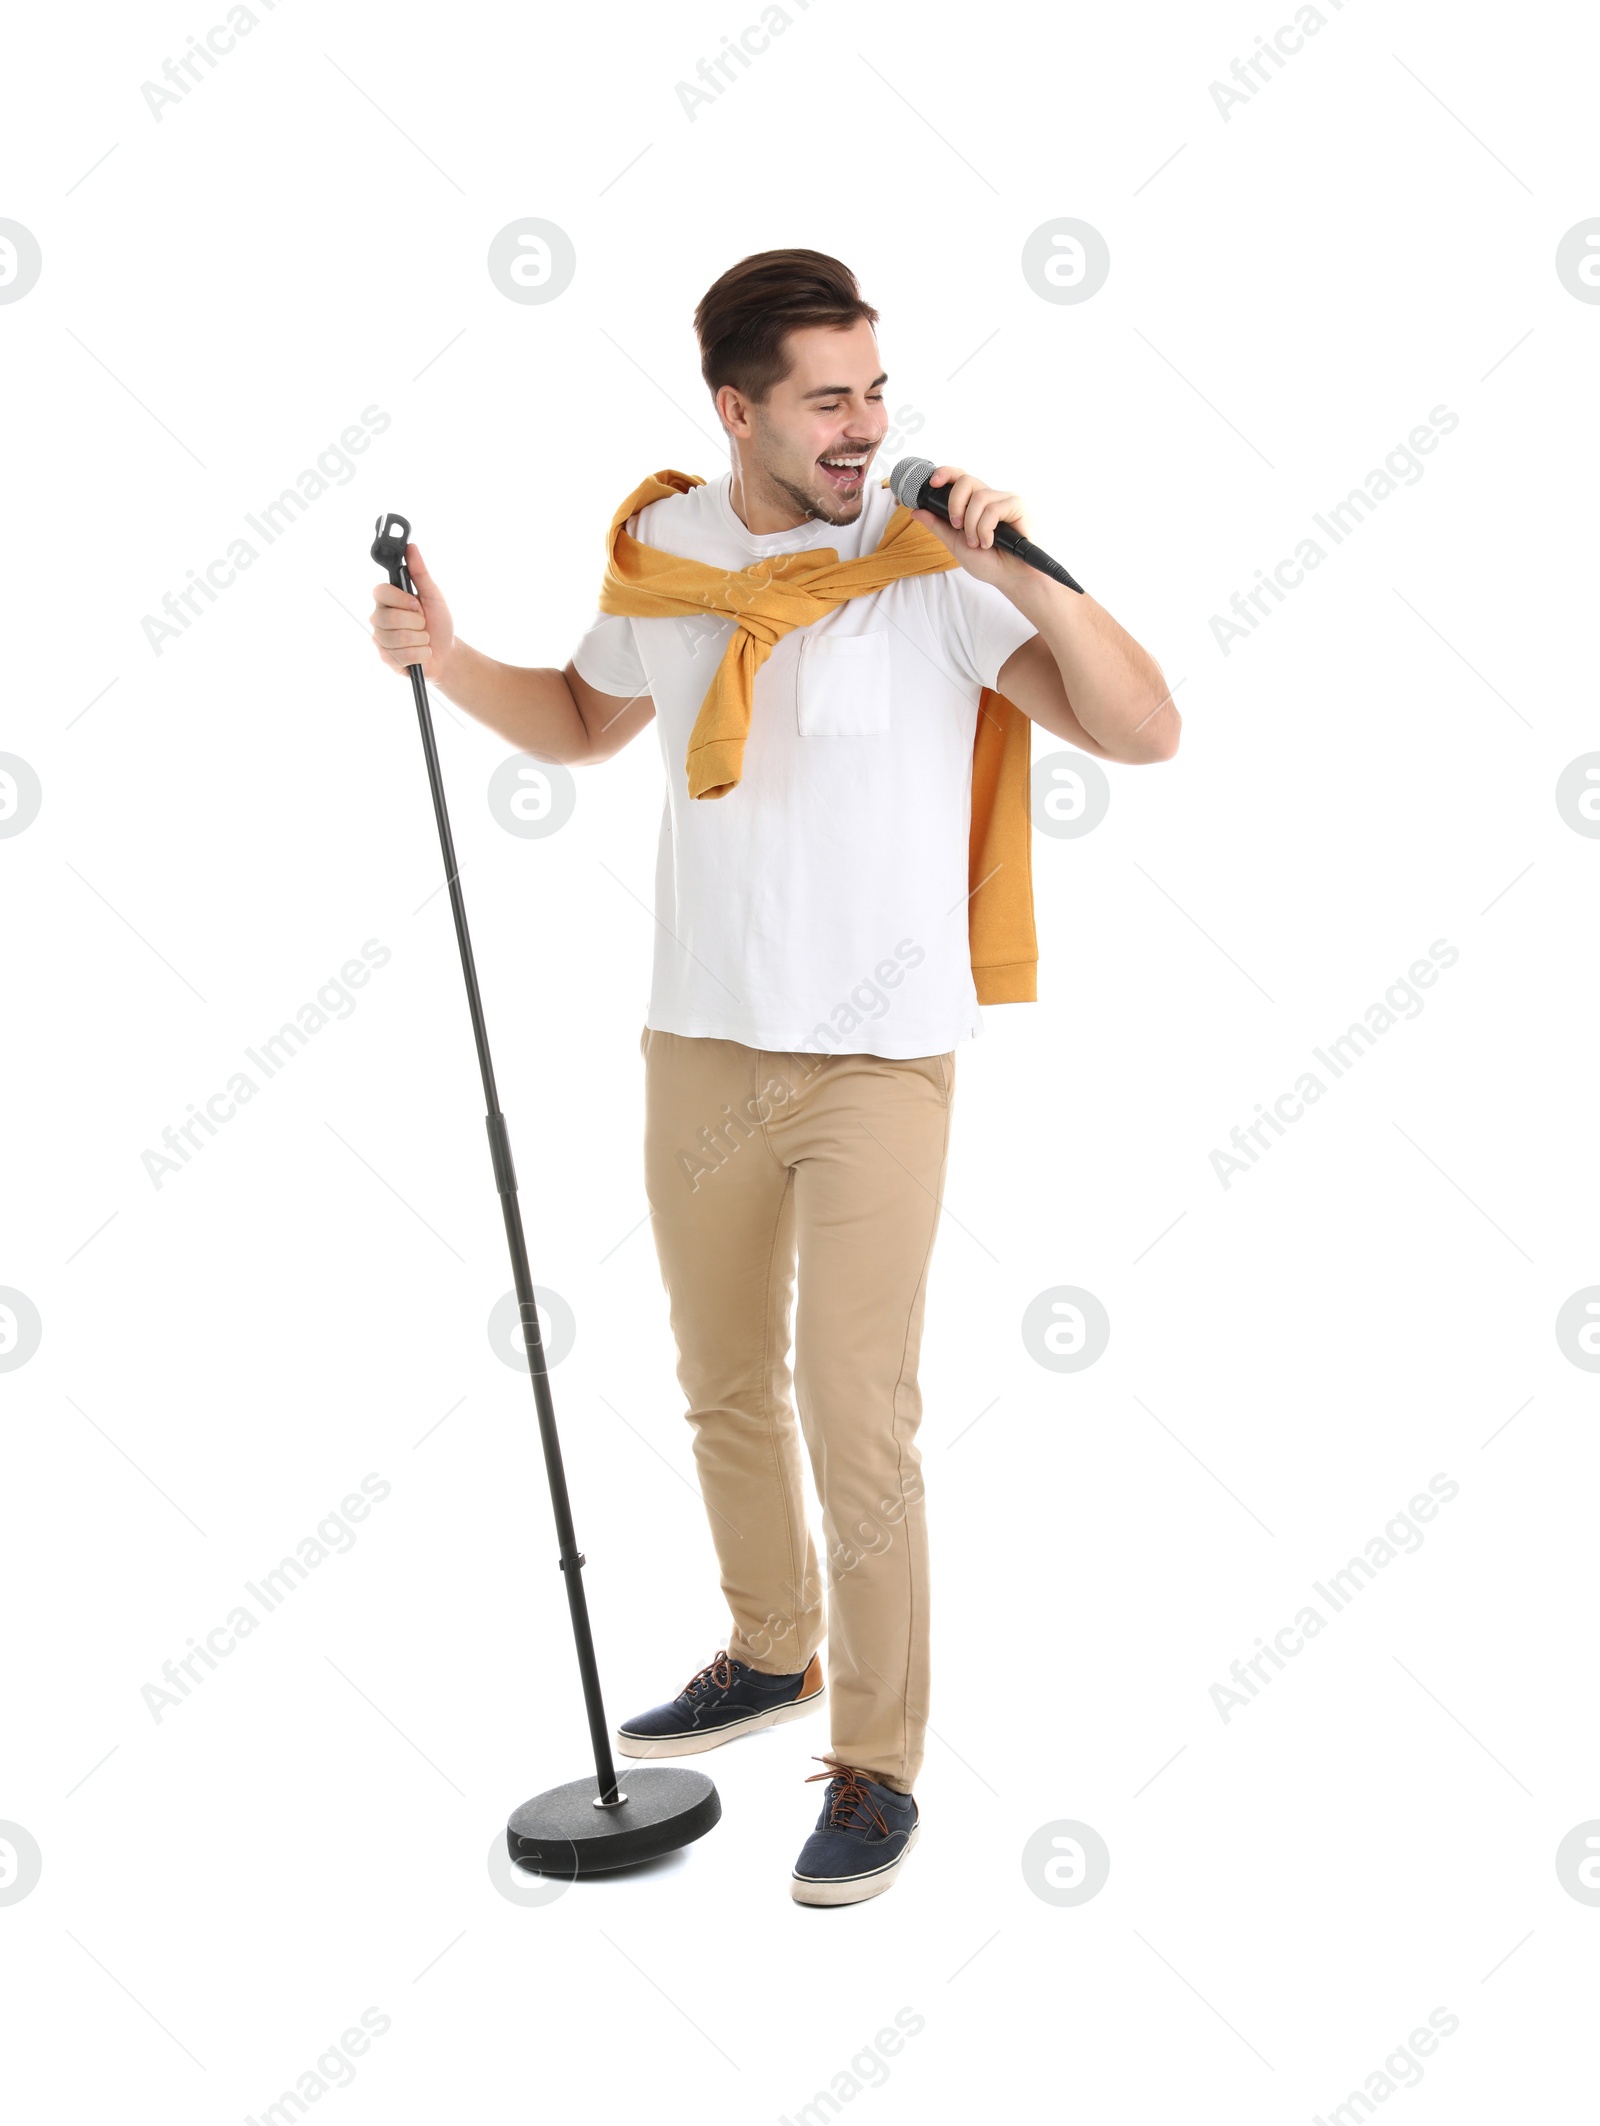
787	591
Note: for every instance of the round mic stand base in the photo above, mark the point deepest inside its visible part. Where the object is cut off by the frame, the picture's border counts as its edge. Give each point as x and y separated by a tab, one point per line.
568	1832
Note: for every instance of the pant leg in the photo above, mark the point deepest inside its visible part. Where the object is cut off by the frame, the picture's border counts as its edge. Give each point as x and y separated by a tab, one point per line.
722	1211
867	1138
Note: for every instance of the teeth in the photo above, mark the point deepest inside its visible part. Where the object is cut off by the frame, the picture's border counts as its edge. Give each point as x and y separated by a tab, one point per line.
842	464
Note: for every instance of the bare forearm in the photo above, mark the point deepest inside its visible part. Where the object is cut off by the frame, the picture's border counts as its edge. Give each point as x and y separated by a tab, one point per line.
1115	687
529	706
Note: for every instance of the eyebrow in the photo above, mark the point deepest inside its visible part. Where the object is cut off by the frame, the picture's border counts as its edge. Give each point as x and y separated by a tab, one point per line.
842	391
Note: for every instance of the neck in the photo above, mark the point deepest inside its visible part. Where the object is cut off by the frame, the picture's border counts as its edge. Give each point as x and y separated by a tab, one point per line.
760	507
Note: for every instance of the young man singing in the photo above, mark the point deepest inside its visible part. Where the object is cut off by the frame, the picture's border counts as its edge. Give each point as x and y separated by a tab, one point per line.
842	689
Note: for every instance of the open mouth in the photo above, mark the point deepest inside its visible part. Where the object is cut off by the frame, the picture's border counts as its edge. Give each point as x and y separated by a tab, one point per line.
846	470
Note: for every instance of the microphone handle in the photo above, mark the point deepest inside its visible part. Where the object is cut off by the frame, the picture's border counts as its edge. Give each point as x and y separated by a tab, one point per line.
1011	539
1005	535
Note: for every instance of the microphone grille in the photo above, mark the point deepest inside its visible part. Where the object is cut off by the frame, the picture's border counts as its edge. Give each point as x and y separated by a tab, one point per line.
907	480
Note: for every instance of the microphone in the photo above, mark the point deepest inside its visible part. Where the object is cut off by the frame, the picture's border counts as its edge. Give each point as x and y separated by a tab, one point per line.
908	483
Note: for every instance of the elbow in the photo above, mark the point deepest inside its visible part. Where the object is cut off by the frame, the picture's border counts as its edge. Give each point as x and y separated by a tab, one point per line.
1154	738
1164	732
1158	733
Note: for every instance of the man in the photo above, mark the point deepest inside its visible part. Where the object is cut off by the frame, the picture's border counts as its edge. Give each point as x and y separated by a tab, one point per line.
813	977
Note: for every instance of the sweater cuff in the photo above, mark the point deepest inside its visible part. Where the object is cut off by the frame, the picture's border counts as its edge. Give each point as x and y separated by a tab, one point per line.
1016	983
715	767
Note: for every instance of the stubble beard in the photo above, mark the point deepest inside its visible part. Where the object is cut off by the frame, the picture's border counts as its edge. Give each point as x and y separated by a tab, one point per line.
824	507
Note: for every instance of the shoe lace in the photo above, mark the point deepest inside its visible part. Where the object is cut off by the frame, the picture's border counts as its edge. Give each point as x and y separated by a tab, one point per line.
718	1670
851	1795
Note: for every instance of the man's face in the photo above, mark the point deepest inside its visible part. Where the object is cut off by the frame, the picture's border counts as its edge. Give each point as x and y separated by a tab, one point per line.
829	407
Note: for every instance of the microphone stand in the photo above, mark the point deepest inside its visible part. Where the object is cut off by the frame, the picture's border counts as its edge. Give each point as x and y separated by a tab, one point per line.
587	1826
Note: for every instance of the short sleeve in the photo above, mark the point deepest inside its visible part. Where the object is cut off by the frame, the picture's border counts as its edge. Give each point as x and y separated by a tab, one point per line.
980	625
607	656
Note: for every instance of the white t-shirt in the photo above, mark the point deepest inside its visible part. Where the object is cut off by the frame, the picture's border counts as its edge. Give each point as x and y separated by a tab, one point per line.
822	903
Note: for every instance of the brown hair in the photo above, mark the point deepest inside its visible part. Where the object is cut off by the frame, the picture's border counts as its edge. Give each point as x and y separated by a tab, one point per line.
742	319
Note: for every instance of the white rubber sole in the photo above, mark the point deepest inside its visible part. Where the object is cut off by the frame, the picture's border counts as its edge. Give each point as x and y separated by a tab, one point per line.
692	1743
853	1889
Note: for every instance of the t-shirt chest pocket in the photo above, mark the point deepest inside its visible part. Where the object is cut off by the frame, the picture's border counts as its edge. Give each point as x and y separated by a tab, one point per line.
842	685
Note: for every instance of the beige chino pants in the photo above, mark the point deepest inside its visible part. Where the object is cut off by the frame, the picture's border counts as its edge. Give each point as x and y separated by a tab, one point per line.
760	1165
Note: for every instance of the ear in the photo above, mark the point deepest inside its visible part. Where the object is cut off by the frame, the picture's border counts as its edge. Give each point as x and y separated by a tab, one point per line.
733	410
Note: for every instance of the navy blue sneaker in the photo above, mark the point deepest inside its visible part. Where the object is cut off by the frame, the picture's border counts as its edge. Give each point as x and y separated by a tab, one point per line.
864	1832
723	1700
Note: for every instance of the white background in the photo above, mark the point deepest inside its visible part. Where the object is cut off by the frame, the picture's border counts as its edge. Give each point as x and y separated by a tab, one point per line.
223	1358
